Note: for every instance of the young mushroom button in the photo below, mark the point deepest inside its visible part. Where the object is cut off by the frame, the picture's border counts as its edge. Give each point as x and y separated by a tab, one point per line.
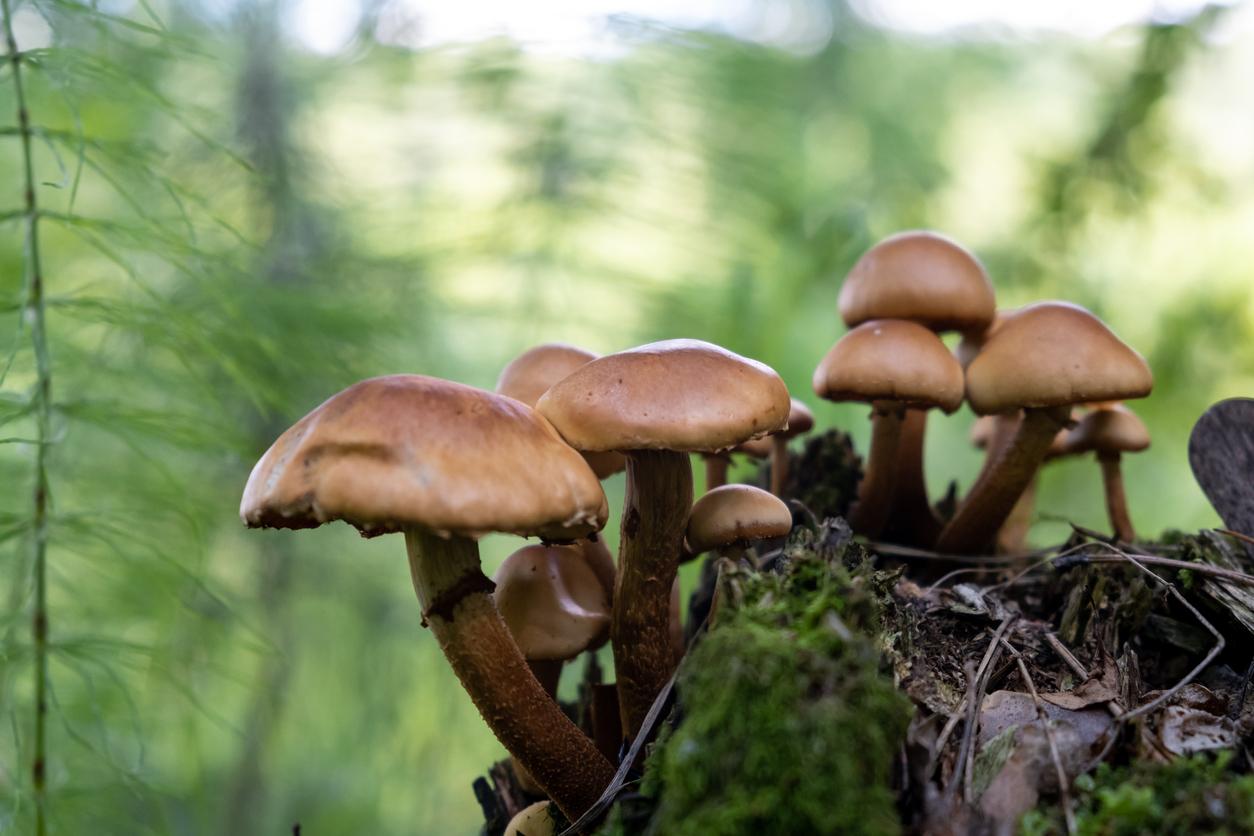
532	373
1043	359
656	404
892	364
446	463
735	516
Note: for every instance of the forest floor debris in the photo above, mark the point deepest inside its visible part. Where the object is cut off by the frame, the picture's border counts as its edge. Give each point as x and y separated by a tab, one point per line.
1089	688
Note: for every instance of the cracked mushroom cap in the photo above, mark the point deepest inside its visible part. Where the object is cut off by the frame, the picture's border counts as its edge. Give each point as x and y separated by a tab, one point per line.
410	451
736	514
681	395
532	373
1054	354
891	360
921	276
1111	428
552	601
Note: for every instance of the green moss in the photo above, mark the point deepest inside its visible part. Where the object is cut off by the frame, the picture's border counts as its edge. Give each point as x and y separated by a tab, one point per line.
788	724
1187	796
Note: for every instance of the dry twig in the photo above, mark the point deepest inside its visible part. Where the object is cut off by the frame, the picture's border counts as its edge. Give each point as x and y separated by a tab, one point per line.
975	696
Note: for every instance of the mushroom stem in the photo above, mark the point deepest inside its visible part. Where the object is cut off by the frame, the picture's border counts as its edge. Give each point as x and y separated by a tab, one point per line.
655	513
1013	535
779	463
458	606
1116	500
716	470
994	494
912	520
879	483
1004	427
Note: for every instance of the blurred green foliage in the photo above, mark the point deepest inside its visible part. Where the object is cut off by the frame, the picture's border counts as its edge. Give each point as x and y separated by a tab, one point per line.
237	228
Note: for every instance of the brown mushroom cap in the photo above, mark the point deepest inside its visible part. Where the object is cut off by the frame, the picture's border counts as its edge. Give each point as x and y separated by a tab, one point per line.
972	342
680	395
1054	354
736	514
532	373
411	451
535	820
552	602
921	276
891	360
1110	429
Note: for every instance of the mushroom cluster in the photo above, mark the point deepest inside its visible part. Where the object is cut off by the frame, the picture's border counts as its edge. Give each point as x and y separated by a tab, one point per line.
444	463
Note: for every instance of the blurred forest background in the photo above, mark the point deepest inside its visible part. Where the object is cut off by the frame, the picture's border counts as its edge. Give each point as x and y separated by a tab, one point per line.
238	218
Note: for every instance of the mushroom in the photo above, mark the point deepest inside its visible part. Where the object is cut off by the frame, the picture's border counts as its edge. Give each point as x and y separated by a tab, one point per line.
729	518
1110	430
535	820
554	605
800	422
656	404
530	374
774	446
892	364
446	463
1044	359
928	278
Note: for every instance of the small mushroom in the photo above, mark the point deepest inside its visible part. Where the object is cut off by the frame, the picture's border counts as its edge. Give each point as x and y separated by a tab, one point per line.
446	463
656	404
535	820
554	605
727	521
1110	430
730	518
532	373
1044	359
800	422
775	445
894	365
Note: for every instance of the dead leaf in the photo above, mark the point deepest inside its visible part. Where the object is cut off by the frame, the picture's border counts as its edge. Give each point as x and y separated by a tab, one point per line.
1186	731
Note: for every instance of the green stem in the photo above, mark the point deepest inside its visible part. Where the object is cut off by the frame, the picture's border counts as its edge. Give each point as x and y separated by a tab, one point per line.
43	432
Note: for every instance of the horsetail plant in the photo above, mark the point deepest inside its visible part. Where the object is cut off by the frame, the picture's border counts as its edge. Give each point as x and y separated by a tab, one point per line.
32	313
